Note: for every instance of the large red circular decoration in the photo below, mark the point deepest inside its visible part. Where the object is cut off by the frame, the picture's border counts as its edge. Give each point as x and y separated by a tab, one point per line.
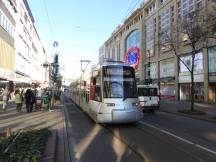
133	56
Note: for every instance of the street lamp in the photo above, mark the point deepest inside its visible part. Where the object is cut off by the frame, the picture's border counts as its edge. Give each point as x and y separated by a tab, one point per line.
53	74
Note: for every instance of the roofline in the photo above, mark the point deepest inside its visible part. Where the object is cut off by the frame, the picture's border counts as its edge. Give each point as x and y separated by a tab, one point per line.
29	10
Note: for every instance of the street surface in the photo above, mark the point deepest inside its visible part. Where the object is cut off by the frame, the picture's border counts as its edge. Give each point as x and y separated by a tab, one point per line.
159	137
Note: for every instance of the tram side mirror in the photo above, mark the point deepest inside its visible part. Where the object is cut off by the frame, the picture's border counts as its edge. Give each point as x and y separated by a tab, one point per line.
94	81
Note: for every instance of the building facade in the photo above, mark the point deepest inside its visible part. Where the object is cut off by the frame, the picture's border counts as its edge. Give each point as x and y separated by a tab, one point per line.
138	42
7	47
27	53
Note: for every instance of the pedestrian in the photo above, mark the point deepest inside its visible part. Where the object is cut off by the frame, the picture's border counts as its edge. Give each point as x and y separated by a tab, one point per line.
29	100
5	98
45	99
18	100
22	96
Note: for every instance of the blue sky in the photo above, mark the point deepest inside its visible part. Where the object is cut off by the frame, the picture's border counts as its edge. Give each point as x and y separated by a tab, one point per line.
80	27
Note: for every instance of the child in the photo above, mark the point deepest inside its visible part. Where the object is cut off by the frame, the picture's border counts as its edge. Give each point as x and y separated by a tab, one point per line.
18	100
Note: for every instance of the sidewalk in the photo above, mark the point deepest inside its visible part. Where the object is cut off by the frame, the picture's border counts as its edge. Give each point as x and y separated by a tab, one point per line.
54	120
173	107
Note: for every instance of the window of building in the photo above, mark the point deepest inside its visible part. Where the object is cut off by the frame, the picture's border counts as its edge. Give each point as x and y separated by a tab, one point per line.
133	40
164	23
198	4
179	9
172	13
212	59
187	7
149	37
151	9
14	1
151	70
155	25
6	24
113	53
118	52
21	10
162	1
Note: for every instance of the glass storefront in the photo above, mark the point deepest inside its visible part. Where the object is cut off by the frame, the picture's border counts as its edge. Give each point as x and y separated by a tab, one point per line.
167	90
212	74
185	91
185	78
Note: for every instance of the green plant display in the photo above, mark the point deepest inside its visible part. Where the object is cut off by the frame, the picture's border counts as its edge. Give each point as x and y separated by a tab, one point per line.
28	147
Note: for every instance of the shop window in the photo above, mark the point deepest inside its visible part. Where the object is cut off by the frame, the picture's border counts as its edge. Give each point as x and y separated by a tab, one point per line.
185	91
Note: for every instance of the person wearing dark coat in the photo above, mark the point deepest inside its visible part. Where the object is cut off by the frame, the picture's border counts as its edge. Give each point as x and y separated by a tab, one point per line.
29	100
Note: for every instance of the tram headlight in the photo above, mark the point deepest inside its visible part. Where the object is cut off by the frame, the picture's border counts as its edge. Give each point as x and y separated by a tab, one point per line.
135	104
110	104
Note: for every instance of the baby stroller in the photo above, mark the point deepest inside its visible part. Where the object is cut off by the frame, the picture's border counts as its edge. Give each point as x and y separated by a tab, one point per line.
38	104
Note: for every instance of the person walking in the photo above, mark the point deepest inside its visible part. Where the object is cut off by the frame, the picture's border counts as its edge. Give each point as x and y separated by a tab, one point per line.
18	100
5	98
22	96
29	100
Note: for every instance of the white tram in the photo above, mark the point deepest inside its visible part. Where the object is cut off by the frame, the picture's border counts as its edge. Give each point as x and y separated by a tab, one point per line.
108	93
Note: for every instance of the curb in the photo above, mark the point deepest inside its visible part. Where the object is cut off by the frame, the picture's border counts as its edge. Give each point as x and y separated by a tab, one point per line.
190	116
50	149
69	140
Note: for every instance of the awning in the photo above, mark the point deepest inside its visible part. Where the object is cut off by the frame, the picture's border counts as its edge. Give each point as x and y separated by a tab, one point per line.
21	73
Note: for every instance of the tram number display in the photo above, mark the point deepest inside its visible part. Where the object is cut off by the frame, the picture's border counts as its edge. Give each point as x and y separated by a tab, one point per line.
117	71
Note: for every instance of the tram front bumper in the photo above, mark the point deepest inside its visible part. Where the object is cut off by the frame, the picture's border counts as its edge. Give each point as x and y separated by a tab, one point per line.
126	115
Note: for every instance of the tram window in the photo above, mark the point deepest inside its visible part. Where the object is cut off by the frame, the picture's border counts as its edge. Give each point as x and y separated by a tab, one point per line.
97	93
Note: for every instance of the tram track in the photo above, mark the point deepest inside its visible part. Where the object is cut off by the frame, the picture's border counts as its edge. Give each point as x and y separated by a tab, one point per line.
159	134
145	147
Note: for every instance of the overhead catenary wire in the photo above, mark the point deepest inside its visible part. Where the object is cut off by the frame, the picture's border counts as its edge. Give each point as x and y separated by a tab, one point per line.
48	18
131	9
87	28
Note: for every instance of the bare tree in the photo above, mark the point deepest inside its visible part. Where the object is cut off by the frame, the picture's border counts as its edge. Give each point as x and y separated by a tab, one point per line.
193	29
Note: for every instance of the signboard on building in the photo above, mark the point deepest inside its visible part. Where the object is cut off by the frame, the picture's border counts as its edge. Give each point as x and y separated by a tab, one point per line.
133	56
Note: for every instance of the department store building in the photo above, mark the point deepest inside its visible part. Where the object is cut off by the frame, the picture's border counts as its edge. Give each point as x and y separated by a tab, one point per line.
135	41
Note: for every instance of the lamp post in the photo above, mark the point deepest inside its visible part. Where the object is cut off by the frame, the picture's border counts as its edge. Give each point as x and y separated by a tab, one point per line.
83	69
53	74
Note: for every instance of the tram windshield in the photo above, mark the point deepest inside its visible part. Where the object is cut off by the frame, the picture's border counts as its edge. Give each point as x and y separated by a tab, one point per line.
119	82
